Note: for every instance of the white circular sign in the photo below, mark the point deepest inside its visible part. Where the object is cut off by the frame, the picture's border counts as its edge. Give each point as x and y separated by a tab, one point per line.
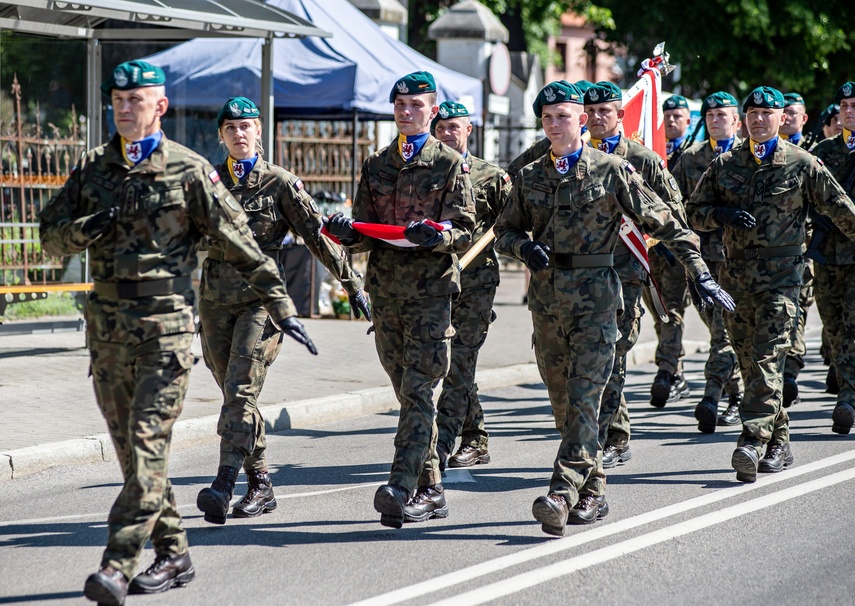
500	69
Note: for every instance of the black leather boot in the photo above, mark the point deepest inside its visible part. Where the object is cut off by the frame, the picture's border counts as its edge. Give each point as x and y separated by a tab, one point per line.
214	501
660	391
259	497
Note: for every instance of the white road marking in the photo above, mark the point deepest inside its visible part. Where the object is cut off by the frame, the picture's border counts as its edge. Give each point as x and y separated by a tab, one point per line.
457	476
546	549
523	581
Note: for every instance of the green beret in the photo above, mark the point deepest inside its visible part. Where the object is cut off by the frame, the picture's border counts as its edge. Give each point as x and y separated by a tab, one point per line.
828	113
450	109
237	108
603	92
793	99
764	97
718	99
133	74
847	91
416	83
675	102
554	93
584	85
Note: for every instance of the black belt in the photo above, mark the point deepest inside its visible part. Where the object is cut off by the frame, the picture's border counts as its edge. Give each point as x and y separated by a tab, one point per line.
769	252
216	254
564	261
147	288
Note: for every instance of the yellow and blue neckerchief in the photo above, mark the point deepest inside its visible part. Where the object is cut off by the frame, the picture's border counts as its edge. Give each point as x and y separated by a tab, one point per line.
564	163
410	145
795	138
606	145
763	150
719	147
135	152
849	138
239	169
673	144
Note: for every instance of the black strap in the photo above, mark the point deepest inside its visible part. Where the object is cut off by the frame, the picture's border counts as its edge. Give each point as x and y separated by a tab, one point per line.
146	288
564	261
770	252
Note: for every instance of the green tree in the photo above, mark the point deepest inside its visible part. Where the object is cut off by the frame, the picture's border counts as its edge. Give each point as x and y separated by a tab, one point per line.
529	22
735	45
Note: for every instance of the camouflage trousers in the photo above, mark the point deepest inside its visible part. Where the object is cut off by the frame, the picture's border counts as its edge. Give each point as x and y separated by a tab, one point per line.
721	370
413	340
671	280
239	343
575	356
835	299
140	390
614	416
459	411
761	328
796	356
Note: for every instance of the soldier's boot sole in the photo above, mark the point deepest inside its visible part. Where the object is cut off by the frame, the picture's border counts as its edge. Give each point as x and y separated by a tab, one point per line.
552	521
843	418
659	393
240	512
745	465
98	591
391	510
441	512
213	506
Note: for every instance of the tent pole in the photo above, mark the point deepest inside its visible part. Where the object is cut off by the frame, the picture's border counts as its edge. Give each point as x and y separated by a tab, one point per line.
353	154
93	93
268	139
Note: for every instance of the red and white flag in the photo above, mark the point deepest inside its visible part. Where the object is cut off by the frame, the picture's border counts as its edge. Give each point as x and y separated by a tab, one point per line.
644	122
391	234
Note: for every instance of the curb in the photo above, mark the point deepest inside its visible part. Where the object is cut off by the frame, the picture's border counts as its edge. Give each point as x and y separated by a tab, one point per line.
23	462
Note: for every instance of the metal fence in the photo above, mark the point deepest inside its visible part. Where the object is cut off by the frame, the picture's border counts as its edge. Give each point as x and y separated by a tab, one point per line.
34	162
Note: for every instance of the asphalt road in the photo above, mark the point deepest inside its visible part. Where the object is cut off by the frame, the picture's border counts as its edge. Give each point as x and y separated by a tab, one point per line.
681	529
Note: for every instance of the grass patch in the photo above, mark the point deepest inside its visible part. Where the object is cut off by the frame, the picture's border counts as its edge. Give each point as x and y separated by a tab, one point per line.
56	304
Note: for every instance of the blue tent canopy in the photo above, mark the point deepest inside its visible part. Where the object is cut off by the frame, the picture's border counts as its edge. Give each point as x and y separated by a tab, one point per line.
317	77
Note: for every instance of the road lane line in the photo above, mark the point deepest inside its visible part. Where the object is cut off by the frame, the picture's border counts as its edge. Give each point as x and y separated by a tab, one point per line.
526	580
555	546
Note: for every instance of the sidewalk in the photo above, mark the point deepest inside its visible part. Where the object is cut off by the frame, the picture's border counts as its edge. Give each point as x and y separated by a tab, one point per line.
50	417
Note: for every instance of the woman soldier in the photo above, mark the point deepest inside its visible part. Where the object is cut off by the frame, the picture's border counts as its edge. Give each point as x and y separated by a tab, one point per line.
239	342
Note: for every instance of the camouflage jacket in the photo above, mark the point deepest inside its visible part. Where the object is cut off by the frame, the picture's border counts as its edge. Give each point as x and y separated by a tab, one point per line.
579	214
778	193
537	149
433	185
275	202
688	170
167	204
837	248
491	186
654	171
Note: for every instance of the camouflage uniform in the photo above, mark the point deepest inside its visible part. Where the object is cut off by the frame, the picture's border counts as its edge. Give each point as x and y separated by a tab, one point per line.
578	216
139	318
535	151
411	288
764	265
458	410
614	418
835	279
721	370
239	342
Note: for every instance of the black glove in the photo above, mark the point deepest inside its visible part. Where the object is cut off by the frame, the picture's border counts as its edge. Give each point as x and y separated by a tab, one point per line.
734	218
294	329
342	228
422	234
706	292
359	305
100	222
662	250
535	255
